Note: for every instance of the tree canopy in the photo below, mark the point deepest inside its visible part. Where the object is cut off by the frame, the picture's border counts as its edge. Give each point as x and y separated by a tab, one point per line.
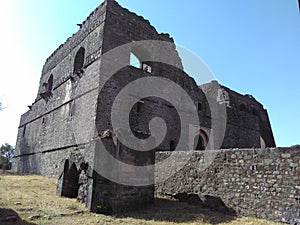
6	157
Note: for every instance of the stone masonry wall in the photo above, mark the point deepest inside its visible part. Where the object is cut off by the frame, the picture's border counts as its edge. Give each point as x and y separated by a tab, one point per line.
84	35
58	136
56	124
247	122
255	182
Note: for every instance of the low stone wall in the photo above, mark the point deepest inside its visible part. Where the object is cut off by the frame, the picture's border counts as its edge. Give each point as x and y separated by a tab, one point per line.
254	182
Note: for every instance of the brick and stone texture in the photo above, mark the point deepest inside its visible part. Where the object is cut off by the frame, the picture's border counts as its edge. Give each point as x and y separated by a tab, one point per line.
253	182
58	136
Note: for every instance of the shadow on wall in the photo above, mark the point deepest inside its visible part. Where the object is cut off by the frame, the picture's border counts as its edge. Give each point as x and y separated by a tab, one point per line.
207	202
181	212
10	217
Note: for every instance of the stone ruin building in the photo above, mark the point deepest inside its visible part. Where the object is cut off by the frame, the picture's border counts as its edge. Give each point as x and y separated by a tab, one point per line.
58	136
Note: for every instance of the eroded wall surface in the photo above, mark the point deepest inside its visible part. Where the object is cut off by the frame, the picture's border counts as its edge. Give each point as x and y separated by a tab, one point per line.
258	182
72	109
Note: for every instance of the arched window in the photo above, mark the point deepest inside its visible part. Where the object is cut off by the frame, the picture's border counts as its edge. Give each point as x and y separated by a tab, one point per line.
140	106
200	106
47	89
172	145
140	58
200	140
223	97
49	85
24	130
134	61
254	111
79	61
243	107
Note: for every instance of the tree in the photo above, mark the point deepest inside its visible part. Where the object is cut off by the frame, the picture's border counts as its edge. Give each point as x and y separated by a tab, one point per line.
6	157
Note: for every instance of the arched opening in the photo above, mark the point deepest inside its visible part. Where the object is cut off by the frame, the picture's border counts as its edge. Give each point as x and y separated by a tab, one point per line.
134	61
79	61
243	108
47	88
223	97
70	183
49	85
254	112
66	166
200	106
140	58
201	140
140	106
24	130
172	145
199	143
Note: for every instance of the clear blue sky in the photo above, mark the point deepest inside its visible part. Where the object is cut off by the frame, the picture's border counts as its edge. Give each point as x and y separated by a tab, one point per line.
252	46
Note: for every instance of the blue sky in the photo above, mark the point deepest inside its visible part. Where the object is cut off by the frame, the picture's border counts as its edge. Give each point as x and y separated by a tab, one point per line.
252	46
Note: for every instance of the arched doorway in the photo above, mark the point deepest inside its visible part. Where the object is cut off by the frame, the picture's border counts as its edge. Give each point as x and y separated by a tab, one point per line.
199	143
200	140
70	182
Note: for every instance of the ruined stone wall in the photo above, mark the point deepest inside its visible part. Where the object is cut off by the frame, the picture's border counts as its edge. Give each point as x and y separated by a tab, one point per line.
247	122
255	182
252	122
123	27
149	108
49	125
64	119
62	123
88	36
72	110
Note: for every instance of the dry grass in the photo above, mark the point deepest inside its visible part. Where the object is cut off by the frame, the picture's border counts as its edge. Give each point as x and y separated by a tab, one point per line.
32	200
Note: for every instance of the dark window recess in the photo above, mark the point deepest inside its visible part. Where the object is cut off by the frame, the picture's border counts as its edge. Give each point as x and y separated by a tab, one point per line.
70	181
172	145
79	62
200	106
139	106
50	83
199	143
243	108
24	130
254	112
47	94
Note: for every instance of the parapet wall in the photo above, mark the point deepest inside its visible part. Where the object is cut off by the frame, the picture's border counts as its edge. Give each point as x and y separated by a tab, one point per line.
93	20
254	182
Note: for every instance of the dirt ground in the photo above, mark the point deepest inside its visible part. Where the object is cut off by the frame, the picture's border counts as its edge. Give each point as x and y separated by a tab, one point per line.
31	199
